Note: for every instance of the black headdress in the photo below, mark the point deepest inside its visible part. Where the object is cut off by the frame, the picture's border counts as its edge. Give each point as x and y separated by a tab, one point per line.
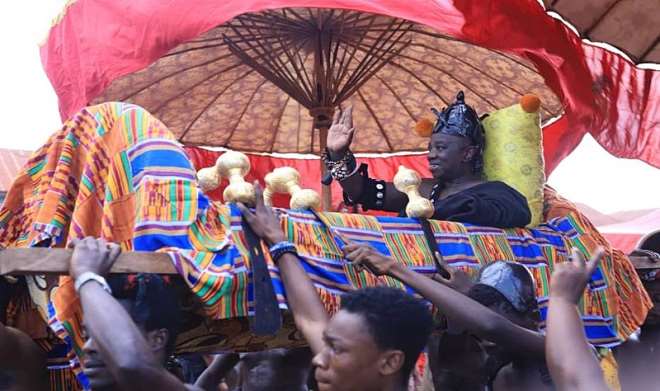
459	119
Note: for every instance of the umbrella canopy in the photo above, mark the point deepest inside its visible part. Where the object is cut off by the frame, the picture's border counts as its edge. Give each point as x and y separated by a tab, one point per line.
633	26
600	91
262	82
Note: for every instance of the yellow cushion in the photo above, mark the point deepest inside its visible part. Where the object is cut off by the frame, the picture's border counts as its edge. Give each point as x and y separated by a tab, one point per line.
514	152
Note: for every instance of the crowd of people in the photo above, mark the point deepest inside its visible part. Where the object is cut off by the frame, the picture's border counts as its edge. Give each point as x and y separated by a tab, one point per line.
489	337
372	343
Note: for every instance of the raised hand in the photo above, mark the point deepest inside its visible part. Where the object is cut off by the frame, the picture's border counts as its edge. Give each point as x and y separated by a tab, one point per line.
458	279
340	134
263	221
570	278
92	255
363	255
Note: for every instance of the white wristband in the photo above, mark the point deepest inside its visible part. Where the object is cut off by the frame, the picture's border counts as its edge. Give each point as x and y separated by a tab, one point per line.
89	276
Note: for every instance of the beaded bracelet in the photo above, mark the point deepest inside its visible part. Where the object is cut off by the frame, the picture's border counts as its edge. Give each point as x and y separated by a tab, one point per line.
278	249
342	168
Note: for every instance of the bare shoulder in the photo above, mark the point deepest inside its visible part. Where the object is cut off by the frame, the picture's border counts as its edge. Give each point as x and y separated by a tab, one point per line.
22	361
24	351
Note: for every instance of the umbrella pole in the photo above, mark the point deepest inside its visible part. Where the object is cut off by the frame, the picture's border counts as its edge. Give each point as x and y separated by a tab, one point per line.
326	191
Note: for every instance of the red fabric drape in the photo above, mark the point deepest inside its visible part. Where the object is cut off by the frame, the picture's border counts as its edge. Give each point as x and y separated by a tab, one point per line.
96	42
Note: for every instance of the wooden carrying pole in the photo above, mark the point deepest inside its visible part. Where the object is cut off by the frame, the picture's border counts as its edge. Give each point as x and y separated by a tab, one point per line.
326	190
19	261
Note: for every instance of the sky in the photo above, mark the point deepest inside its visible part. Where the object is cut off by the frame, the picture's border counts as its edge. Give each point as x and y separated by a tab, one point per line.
28	107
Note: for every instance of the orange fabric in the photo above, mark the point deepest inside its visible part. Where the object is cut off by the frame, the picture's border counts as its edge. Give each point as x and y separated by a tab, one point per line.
632	301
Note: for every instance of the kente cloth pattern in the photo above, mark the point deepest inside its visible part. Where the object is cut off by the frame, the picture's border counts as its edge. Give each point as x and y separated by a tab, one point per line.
630	300
116	172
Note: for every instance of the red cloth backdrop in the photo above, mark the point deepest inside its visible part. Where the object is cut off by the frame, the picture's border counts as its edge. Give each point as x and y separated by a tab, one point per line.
309	169
94	42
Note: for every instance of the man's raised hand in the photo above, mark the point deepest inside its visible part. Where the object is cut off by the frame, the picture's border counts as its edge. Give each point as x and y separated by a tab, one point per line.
570	278
363	255
263	221
92	255
340	134
458	279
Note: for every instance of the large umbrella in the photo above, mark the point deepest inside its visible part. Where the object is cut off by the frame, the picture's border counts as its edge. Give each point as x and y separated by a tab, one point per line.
248	74
262	82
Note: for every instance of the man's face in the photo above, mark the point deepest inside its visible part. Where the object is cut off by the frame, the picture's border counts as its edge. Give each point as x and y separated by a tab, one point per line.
350	359
516	318
446	155
95	369
93	365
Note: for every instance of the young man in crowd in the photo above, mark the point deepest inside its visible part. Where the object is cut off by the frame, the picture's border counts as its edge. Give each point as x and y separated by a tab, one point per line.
499	313
130	324
501	347
275	369
374	340
571	360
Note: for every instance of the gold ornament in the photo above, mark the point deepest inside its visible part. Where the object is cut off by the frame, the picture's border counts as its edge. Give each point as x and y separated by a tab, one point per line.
235	166
408	181
287	180
208	179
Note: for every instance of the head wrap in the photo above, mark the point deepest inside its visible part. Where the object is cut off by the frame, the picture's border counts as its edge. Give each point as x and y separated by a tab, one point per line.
513	281
459	119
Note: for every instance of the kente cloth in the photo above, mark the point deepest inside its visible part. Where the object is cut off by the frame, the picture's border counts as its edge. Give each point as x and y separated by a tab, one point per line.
114	171
630	300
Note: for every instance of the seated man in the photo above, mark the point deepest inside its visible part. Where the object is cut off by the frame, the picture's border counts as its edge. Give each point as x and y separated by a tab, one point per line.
499	312
129	336
372	343
457	189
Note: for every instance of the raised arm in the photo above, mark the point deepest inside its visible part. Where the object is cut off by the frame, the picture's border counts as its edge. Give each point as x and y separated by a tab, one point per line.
118	339
304	302
476	318
340	136
218	370
570	358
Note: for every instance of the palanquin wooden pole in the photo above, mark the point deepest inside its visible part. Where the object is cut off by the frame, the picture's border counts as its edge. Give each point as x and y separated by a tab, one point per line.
18	261
326	190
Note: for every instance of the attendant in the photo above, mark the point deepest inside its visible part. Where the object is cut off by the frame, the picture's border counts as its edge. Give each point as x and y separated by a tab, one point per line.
130	324
572	362
457	189
501	347
374	340
275	369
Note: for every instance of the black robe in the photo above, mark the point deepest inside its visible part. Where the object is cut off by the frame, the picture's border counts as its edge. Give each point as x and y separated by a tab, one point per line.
491	204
